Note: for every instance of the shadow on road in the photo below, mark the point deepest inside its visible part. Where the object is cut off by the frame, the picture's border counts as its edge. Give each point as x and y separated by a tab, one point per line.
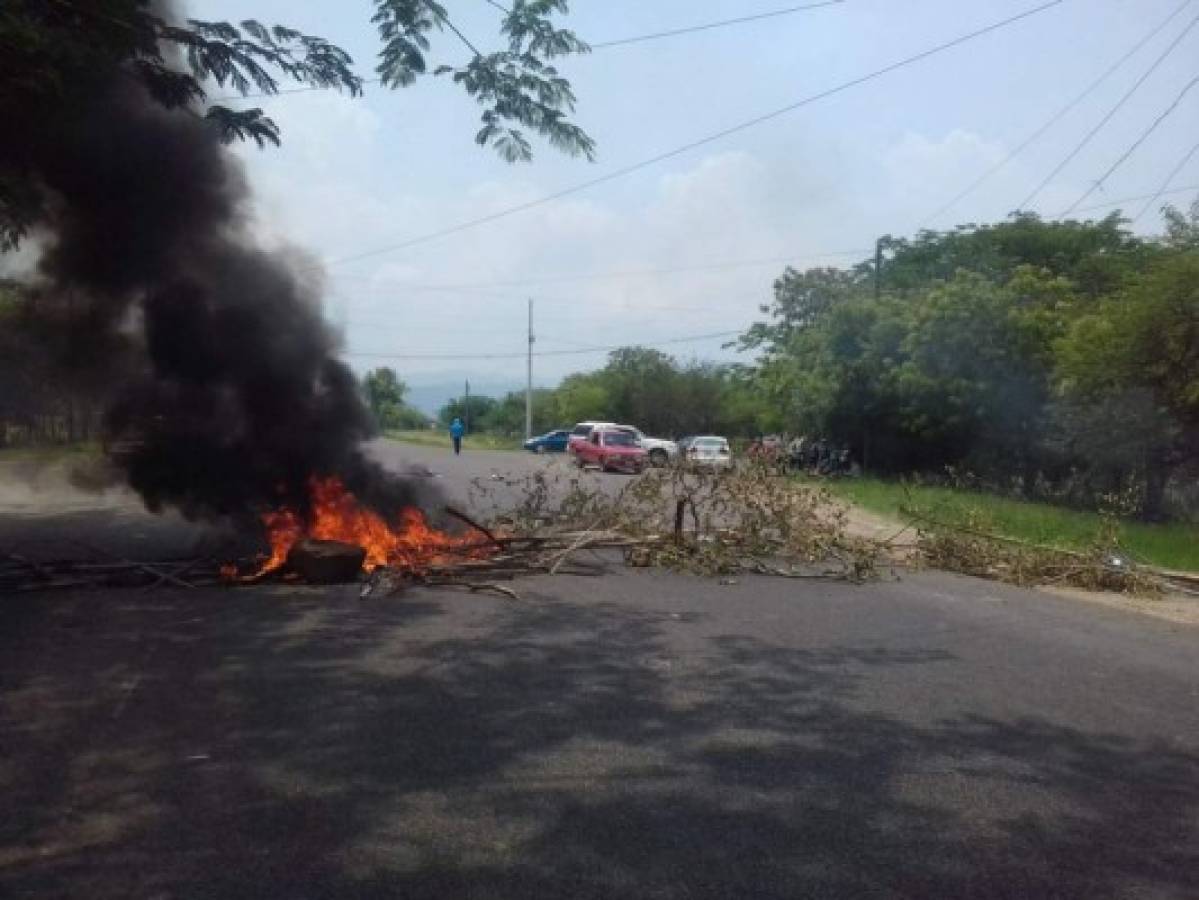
247	744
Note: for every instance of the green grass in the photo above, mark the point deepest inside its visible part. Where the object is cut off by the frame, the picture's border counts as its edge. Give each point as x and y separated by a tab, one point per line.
1171	546
440	438
49	452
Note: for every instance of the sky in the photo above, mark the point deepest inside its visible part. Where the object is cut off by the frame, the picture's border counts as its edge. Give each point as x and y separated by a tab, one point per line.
690	246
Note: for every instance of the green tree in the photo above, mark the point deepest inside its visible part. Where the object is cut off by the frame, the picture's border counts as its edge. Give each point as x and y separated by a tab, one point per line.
385	396
56	53
953	363
508	418
642	389
698	399
475	411
1095	256
581	398
801	300
838	380
1182	228
1143	343
743	409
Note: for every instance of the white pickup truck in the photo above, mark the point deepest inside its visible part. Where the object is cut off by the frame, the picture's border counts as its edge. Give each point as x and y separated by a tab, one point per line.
659	451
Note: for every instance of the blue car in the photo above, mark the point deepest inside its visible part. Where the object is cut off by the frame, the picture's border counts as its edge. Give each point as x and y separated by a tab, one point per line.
550	442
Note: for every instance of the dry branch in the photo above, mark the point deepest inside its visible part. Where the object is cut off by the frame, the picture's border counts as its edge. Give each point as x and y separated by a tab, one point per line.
463	517
496	588
975	551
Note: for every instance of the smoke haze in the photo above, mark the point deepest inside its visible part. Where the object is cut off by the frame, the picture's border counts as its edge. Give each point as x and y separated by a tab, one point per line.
221	384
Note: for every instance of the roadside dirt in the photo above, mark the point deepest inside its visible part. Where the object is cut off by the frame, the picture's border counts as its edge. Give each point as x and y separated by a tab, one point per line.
872	526
60	483
1180	608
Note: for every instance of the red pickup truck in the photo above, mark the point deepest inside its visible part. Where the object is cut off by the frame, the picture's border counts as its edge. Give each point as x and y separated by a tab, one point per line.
610	449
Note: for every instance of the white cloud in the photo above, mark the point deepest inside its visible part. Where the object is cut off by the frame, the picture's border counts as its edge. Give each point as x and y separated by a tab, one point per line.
726	206
959	152
923	173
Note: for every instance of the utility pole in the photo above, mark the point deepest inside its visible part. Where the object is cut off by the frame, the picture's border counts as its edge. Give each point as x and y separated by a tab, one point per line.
466	408
529	379
878	268
878	293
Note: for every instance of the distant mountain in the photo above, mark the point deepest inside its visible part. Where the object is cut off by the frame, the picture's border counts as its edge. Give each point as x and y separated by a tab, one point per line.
430	396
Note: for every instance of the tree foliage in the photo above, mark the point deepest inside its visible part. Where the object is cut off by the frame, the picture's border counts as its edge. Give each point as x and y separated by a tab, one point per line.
55	53
475	411
40	403
516	86
385	396
1140	349
1013	350
637	386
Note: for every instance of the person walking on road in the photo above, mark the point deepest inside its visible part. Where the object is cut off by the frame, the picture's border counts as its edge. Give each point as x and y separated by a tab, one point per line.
457	429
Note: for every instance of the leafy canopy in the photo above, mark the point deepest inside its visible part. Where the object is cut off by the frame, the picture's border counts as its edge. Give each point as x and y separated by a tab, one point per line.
1025	351
516	86
385	393
54	53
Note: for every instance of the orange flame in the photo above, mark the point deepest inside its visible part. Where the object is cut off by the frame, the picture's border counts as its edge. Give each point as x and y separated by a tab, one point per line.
409	544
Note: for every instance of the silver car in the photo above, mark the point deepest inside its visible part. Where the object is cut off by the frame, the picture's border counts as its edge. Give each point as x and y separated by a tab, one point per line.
709	452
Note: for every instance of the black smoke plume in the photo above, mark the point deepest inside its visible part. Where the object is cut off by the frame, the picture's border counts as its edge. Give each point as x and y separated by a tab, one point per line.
223	390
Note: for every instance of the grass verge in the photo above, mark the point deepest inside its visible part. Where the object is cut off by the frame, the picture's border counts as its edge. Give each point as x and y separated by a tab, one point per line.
441	440
1170	546
49	453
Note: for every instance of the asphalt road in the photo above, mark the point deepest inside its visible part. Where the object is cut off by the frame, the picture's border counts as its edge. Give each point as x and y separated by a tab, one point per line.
642	735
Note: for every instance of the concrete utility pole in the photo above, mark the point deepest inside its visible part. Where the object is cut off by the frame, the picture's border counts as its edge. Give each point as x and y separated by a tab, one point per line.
466	408
878	268
529	379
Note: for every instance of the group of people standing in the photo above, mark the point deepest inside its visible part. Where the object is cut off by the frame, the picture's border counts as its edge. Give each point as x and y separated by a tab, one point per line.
816	456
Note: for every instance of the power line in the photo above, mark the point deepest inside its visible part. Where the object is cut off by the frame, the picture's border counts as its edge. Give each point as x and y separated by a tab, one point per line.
602	45
296	90
695	338
631	273
1166	184
480	291
569	343
1123	200
691	29
700	142
1056	117
1133	148
462	37
1024	204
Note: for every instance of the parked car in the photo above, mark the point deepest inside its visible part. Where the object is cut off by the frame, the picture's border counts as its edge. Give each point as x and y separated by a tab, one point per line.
550	442
611	448
659	450
582	431
710	452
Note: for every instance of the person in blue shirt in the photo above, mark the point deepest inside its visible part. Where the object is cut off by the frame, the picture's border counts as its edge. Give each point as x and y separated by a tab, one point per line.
457	429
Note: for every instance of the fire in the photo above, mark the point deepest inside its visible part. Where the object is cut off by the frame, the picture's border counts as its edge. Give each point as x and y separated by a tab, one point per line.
409	544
